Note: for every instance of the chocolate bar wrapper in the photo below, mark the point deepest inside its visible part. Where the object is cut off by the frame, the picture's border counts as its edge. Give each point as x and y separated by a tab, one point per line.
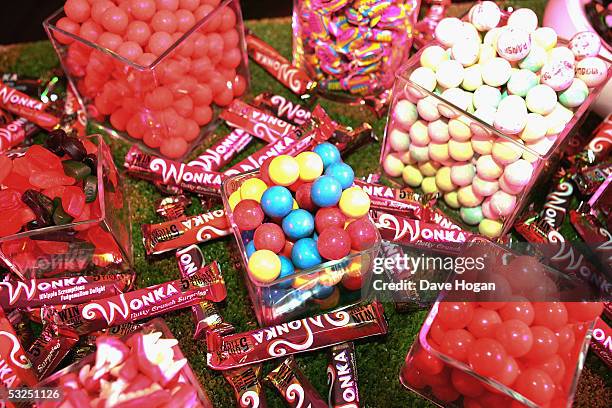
21	325
247	386
14	133
283	108
558	200
342	376
16	368
236	350
171	235
259	123
222	152
589	179
293	386
50	348
601	343
595	235
173	207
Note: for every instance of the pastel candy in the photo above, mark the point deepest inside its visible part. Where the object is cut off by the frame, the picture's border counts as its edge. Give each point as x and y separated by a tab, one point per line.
458	130
447	29
399	140
508	188
392	165
503	203
406	157
490	228
418	133
438	131
468	197
486	95
439	152
486	209
429	185
443	180
412	176
592	70
483	187
482	142
558	119
575	95
466	51
432	56
523	18
511	115
450	74
458	97
561	54
484	16
558	74
424	77
505	151
451	200
405	113
487	168
462	174
518	173
468	31
521	82
535	129
535	60
471	216
545	37
428	108
496	72
419	153
541	99
429	168
487	52
492	35
472	78
513	44
585	44
460	151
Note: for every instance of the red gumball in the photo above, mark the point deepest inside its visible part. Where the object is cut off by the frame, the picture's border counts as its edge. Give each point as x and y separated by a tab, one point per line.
294	187
583	311
456	344
334	243
545	343
466	384
363	233
352	282
269	236
264	174
248	215
536	385
455	315
487	356
329	217
286	252
303	198
427	363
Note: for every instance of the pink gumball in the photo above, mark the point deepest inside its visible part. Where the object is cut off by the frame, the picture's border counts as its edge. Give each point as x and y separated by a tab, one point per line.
269	236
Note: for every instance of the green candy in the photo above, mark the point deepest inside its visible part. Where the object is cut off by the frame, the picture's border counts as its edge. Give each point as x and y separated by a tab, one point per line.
59	215
575	95
471	215
90	188
521	82
76	169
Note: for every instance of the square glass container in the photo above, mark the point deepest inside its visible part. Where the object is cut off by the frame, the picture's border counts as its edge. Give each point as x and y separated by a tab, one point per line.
167	101
294	296
186	375
100	242
474	138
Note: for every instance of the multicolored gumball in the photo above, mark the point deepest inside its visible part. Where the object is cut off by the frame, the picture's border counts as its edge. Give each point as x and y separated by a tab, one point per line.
310	164
269	236
329	217
354	202
284	170
363	234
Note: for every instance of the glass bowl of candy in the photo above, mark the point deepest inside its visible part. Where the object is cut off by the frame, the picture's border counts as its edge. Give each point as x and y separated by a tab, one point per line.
132	370
65	210
305	237
155	73
522	344
482	122
352	49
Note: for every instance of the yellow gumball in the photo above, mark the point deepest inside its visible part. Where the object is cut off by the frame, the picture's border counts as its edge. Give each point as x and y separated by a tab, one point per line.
264	266
284	170
354	202
310	164
253	189
234	199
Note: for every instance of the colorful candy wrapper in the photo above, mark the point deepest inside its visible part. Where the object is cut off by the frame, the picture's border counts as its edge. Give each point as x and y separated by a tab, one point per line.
11	98
311	333
16	368
74	117
174	234
601	342
255	121
558	200
205	314
222	152
14	133
595	235
172	207
293	386
283	108
247	386
589	179
600	203
342	376
599	146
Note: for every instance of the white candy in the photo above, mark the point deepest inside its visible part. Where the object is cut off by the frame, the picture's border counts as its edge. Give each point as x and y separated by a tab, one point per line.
491	36
496	72
472	78
438	131
450	73
545	37
523	18
482	142
428	108
399	140
592	70
486	114
585	44
405	113
486	95
557	74
513	44
541	99
447	30
432	56
487	168
418	133
466	51
487	53
558	119
518	173
458	97
485	16
535	60
561	54
511	115
469	31
535	129
521	82
425	77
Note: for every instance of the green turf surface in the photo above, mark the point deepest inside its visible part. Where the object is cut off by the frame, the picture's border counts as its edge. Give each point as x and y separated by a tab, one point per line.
378	360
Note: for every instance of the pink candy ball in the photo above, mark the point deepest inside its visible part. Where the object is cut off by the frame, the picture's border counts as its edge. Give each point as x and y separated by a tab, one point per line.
503	203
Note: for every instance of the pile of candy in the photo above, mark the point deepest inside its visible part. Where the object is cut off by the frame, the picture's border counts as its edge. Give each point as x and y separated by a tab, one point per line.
160	81
512	77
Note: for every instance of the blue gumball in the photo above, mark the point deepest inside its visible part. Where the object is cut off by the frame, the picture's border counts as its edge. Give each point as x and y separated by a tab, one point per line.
328	153
277	202
326	191
305	253
298	224
287	269
322	291
341	172
250	248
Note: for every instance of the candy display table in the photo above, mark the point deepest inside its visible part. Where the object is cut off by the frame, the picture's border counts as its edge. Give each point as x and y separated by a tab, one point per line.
378	361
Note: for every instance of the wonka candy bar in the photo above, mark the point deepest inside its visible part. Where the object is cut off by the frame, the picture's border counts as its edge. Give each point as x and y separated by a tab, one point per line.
255	121
15	367
293	386
43	119
174	234
206	284
60	291
283	108
558	200
50	348
595	235
311	333
255	160
222	152
175	174
279	67
21	324
342	376
247	386
12	134
173	207
11	98
601	343
589	179
205	314
384	197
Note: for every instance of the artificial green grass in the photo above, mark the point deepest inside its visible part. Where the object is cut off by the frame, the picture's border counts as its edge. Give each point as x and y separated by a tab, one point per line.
378	359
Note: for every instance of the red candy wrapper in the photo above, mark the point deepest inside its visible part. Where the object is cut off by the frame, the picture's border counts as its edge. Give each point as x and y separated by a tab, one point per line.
174	234
255	160
15	367
558	200
61	291
21	324
283	108
50	348
589	179
342	377
311	333
45	120
389	198
293	386
255	121
172	173
206	284
222	152
205	314
14	133
173	207
247	386
74	117
279	67
595	235
11	98
601	342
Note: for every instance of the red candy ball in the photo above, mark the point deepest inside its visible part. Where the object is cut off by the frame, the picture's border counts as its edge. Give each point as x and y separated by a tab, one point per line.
164	20
363	234
269	236
487	356
535	385
171	5
248	215
455	315
115	20
466	384
98	9
328	217
139	32
484	323
427	363
77	10
143	9
515	336
545	343
519	309
185	20
550	314
334	243
456	344
160	42
304	200
583	311
173	148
